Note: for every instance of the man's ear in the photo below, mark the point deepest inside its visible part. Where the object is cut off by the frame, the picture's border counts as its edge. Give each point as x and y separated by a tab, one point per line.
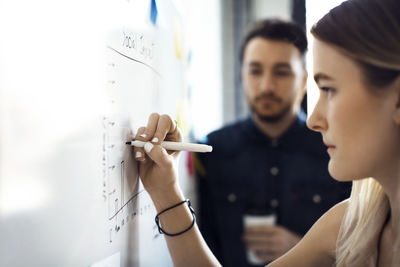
302	91
305	81
396	113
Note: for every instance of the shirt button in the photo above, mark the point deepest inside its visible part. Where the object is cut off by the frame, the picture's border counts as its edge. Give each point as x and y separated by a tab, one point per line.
274	171
231	197
274	142
316	198
274	203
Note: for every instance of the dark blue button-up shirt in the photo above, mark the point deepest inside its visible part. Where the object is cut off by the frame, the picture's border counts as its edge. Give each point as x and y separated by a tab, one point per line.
288	175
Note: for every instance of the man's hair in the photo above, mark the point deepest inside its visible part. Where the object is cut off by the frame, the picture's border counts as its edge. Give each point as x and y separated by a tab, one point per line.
277	30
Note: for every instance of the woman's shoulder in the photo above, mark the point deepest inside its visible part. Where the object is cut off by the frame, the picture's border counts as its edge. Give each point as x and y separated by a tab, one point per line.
318	246
328	226
326	230
335	214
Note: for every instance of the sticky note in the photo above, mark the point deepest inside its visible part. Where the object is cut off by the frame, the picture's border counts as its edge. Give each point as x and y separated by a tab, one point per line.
178	40
153	12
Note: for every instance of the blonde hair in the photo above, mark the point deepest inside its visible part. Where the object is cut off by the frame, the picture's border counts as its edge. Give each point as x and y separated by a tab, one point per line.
370	36
358	240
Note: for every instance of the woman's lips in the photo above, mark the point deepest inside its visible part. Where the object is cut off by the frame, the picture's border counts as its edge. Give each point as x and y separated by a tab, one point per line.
330	148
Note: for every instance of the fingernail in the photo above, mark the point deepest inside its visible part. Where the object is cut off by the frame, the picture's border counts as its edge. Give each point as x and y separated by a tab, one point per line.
155	140
148	147
138	154
143	135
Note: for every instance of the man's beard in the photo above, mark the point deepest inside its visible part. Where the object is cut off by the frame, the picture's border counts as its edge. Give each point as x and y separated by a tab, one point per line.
275	118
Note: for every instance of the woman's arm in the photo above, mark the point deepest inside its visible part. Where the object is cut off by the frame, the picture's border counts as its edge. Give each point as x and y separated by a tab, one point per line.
318	246
159	177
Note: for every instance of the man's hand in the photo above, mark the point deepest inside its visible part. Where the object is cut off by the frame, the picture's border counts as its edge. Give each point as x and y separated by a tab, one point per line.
269	242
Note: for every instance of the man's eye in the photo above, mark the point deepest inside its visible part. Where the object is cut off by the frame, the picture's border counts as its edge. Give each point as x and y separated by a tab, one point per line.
255	72
283	73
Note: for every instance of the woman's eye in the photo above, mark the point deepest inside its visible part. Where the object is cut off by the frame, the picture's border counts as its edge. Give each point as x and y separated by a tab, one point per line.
327	89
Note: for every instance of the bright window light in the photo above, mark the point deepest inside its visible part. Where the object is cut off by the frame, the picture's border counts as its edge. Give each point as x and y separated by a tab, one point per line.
316	9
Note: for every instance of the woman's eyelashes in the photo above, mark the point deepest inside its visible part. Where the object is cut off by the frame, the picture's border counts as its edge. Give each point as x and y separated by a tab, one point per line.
327	89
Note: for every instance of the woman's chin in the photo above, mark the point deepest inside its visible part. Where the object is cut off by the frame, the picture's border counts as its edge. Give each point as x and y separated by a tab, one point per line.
338	174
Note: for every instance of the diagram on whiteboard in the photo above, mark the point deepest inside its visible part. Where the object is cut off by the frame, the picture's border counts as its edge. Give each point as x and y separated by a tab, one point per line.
129	70
120	171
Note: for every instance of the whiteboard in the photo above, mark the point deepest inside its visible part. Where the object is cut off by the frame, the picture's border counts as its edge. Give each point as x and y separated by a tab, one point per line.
77	78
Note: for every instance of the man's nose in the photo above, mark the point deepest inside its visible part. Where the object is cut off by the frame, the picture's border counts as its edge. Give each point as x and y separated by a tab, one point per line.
267	82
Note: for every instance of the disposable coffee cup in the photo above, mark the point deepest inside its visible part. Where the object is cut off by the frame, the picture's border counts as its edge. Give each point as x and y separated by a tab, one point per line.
256	220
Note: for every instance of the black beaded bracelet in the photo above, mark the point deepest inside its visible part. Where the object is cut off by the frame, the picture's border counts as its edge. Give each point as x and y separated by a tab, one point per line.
161	231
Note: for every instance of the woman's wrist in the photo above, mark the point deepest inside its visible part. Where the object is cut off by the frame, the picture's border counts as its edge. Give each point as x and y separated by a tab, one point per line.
167	197
170	209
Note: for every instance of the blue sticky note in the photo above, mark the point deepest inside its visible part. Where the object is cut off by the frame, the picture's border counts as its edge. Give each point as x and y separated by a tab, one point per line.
153	12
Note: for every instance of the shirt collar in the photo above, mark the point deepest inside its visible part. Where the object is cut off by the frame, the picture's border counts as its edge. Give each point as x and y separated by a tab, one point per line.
296	129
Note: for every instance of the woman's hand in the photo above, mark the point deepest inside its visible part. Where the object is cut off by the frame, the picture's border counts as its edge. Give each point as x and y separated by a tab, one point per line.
159	176
157	167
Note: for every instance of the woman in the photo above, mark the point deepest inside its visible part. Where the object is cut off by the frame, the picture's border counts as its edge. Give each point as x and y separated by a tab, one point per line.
357	68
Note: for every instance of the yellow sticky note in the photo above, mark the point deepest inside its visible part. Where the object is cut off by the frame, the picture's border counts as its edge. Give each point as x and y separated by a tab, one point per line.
181	116
178	39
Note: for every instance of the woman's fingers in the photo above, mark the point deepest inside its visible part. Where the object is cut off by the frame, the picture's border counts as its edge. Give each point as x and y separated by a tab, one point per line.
174	133
158	155
151	127
139	151
158	129
166	127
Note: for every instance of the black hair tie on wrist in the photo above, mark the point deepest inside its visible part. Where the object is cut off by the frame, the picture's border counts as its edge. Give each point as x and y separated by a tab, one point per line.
161	231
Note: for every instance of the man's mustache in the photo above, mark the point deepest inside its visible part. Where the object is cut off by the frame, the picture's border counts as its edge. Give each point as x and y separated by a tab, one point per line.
272	97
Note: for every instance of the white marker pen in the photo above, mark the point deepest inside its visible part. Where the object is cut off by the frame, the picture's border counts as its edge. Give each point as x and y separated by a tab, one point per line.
178	146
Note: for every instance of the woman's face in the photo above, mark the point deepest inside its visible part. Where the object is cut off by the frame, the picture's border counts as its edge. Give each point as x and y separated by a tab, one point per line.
359	125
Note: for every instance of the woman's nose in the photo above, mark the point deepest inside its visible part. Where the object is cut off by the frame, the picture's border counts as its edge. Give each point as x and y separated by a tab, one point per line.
317	121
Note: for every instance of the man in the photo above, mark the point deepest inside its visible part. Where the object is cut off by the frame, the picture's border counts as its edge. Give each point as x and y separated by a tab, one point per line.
270	159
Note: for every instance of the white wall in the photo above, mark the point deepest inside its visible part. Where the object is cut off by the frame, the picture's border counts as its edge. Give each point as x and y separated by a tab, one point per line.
71	92
203	35
261	9
315	10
